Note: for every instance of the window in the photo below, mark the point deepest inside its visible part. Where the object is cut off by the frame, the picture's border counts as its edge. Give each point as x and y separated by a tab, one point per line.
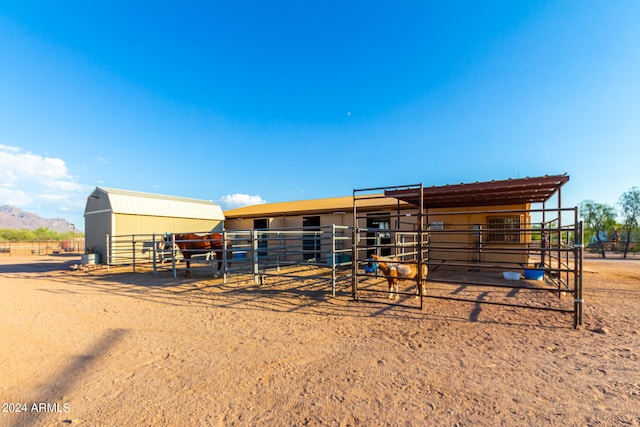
437	225
262	224
380	240
311	238
504	229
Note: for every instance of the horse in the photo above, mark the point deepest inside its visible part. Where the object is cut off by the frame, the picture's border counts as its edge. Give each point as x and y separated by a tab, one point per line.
395	270
197	244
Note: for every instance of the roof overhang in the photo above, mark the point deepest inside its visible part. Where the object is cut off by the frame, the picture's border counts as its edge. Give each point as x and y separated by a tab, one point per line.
493	193
335	205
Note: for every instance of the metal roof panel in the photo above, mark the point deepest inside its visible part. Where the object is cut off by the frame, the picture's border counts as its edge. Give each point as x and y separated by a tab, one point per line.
139	203
505	192
326	205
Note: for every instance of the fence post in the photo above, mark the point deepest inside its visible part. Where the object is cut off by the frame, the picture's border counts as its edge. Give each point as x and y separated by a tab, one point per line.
279	249
108	254
173	255
254	249
354	251
133	245
333	258
578	262
153	242
225	257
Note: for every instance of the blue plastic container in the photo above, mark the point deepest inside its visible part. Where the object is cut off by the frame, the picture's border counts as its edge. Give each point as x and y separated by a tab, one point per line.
533	274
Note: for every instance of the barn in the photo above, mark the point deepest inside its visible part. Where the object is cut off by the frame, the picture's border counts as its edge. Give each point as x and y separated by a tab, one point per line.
470	224
495	231
116	212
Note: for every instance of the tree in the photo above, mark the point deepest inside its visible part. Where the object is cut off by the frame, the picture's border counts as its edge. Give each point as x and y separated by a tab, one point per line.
599	219
39	234
630	209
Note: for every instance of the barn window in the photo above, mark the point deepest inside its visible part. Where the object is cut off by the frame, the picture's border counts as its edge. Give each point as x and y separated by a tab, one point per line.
311	238
504	229
262	224
380	239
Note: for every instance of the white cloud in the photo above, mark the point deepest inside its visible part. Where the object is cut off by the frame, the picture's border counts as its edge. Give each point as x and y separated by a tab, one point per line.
238	200
38	183
13	197
24	168
9	148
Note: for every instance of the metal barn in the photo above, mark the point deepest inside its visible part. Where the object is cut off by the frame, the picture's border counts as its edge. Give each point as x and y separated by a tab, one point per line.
115	212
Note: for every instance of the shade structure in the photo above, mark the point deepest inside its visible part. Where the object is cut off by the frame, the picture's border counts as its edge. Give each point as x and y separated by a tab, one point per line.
491	193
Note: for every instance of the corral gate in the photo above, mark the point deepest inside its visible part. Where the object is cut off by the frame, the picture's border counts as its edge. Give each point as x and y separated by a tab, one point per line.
389	232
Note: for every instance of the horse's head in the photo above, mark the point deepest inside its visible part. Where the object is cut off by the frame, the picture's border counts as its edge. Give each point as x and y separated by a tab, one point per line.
165	242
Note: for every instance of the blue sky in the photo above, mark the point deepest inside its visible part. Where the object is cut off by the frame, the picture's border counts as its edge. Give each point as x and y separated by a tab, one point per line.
249	101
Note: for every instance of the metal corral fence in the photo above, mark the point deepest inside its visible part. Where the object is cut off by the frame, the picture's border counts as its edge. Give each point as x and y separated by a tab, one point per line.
295	252
405	247
388	237
310	253
10	248
477	255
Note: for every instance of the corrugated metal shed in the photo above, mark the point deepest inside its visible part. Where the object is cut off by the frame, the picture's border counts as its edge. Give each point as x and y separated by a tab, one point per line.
139	203
113	213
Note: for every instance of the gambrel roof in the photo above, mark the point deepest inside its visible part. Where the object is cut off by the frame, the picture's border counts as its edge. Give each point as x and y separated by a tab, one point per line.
139	203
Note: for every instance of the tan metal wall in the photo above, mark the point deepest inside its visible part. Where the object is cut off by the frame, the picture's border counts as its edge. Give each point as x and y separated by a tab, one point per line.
476	215
291	221
464	221
143	224
97	226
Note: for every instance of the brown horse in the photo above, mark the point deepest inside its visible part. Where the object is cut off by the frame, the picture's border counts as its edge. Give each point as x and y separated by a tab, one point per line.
197	244
395	270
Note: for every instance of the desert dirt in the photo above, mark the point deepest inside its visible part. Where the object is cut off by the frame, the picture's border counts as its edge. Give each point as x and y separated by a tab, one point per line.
117	348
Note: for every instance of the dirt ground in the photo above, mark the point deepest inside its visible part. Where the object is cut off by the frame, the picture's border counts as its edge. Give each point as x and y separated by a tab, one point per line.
116	348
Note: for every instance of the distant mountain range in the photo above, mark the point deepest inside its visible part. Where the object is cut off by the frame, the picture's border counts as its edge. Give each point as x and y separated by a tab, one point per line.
15	218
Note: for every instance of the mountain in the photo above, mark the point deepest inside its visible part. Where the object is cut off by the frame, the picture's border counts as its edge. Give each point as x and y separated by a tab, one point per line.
15	218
